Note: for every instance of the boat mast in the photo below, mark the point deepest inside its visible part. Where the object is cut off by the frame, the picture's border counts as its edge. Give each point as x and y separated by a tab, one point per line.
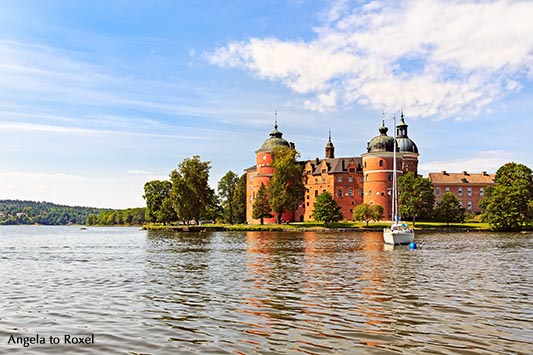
394	178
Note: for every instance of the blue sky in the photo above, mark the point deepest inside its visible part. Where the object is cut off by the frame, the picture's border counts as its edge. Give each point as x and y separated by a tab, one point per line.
98	97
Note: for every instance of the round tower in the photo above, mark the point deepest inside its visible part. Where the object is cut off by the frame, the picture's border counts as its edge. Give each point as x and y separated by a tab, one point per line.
378	171
263	173
407	148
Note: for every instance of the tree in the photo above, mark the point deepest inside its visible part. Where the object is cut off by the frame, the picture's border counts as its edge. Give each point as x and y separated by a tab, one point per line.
261	208
155	192
415	196
190	193
167	213
226	189
239	200
449	210
363	212
92	219
286	189
508	206
377	212
326	209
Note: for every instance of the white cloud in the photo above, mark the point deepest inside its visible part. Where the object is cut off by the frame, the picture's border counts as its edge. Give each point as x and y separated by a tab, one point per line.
433	58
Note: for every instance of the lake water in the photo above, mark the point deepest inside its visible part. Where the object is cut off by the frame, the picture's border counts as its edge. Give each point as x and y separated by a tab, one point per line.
264	293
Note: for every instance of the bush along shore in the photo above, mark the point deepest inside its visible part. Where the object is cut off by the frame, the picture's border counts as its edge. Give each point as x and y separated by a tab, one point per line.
318	227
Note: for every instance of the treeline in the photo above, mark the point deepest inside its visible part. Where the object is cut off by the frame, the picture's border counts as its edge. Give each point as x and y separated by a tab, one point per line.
16	212
13	212
130	216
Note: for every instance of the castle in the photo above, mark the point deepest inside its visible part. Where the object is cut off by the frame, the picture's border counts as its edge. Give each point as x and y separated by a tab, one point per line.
351	181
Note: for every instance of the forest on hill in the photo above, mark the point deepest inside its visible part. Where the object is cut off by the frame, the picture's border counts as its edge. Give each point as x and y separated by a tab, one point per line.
15	212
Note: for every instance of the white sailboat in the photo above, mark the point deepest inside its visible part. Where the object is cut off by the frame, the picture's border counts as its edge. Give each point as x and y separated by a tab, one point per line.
398	233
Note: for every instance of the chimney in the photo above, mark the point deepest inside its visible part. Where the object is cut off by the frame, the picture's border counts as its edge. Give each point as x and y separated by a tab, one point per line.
343	168
465	173
484	173
443	172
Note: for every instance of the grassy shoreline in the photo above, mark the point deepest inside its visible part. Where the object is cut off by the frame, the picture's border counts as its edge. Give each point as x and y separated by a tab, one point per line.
320	227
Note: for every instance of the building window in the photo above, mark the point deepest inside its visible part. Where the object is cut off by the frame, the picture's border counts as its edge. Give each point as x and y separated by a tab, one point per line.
390	177
323	180
460	203
365	164
469	191
352	170
350	191
446	189
361	192
323	171
437	191
460	191
369	192
339	192
469	205
481	192
308	172
307	203
366	177
339	179
316	193
381	163
361	179
316	181
350	179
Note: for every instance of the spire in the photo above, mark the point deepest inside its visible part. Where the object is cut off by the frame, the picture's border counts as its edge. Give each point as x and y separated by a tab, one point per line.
401	128
330	149
276	119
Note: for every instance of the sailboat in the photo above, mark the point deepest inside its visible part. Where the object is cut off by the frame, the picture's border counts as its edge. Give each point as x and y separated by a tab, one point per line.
398	233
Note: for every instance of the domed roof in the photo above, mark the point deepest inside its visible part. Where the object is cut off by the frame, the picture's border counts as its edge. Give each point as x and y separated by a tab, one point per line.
275	140
405	144
381	143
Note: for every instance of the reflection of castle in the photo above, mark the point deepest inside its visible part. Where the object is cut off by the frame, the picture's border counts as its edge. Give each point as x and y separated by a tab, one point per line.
351	180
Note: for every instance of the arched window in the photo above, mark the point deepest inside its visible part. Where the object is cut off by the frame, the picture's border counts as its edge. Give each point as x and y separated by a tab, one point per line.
381	163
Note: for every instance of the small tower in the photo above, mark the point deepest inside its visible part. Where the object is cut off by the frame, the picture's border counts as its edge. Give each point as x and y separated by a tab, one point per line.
330	149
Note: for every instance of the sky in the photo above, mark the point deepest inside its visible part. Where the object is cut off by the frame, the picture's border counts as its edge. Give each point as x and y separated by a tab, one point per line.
98	97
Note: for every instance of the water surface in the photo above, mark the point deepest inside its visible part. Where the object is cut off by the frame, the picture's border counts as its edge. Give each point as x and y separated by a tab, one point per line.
265	292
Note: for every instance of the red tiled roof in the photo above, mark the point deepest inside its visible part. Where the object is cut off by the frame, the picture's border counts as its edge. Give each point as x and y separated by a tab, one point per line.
461	178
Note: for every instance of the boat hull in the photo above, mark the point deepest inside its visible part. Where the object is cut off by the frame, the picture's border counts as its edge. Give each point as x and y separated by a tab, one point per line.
398	237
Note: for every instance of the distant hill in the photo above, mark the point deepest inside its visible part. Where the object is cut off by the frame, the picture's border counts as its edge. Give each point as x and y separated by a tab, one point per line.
31	212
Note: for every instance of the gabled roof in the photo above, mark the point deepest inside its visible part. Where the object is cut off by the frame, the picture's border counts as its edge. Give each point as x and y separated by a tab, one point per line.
462	178
334	165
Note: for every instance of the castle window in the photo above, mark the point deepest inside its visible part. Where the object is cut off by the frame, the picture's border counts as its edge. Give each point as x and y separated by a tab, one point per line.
316	193
316	181
365	164
460	191
369	192
390	177
352	170
469	191
350	191
361	192
339	179
308	172
323	171
339	192
437	191
381	163
481	192
323	180
446	189
366	177
350	179
469	205
307	203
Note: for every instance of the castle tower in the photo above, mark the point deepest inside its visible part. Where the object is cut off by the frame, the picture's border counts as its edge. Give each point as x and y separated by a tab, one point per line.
378	164
378	170
262	174
330	149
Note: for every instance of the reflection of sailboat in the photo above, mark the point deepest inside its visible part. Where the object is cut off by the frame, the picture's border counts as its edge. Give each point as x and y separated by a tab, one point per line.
397	233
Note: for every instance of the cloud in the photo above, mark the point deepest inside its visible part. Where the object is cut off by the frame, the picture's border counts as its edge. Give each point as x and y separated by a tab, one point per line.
433	58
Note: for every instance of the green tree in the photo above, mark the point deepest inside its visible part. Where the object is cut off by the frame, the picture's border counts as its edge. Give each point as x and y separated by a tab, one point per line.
326	209
190	193
261	208
363	212
449	210
508	206
166	213
377	212
286	189
155	192
239	200
415	196
226	190
92	219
